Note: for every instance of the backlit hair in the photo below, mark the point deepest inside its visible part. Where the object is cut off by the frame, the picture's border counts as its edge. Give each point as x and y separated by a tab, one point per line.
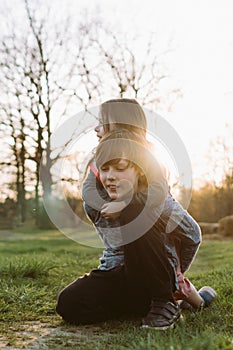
123	113
124	144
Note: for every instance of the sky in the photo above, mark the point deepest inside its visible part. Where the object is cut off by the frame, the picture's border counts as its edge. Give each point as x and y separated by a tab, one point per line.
200	63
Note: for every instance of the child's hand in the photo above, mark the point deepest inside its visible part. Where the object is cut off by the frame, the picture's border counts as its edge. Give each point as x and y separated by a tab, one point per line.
185	287
112	210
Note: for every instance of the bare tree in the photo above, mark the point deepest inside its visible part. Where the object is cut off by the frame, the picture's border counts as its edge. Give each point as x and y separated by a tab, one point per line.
53	65
220	154
220	157
214	199
31	70
133	66
13	122
35	72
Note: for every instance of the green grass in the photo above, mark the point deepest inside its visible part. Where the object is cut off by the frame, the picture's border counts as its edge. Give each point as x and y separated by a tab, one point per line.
35	265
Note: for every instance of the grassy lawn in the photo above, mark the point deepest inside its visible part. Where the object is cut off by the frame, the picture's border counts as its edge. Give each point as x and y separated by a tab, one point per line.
35	265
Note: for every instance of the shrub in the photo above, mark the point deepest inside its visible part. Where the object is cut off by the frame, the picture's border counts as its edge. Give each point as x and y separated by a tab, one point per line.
42	219
63	215
8	214
226	226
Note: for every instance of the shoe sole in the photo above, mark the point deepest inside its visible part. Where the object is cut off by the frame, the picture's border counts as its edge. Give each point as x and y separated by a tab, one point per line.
208	294
164	328
209	290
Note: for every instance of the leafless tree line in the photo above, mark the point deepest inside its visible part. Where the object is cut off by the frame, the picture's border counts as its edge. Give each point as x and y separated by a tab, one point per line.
46	69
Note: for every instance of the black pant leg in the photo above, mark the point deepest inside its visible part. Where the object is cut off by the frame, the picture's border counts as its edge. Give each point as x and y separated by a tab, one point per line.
147	267
93	298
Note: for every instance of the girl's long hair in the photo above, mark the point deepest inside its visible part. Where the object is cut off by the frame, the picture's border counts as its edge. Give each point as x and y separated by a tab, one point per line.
123	113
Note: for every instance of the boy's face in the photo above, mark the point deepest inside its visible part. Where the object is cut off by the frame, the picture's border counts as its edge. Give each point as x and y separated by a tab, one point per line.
119	178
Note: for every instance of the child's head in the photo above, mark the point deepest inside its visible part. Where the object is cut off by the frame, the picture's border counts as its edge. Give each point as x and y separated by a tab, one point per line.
123	113
123	159
119	177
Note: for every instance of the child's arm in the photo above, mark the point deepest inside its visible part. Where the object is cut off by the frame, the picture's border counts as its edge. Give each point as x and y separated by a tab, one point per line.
96	200
189	234
112	210
182	227
108	230
186	290
189	248
93	193
151	197
154	195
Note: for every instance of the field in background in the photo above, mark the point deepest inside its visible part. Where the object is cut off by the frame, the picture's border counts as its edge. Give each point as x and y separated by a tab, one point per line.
35	265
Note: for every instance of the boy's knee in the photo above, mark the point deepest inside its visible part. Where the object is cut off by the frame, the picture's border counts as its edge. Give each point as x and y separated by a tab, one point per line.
71	306
67	305
62	303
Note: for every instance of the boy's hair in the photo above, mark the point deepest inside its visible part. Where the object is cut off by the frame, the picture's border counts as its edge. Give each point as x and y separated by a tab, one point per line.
125	113
124	144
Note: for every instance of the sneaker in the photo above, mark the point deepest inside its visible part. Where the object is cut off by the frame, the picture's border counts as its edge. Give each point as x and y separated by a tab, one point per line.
208	295
162	315
184	305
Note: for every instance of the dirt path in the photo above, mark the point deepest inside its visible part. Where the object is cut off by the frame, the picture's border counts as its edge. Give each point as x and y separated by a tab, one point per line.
39	336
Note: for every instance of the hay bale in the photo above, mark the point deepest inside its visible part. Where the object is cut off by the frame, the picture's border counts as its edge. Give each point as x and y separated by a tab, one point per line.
226	226
209	228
